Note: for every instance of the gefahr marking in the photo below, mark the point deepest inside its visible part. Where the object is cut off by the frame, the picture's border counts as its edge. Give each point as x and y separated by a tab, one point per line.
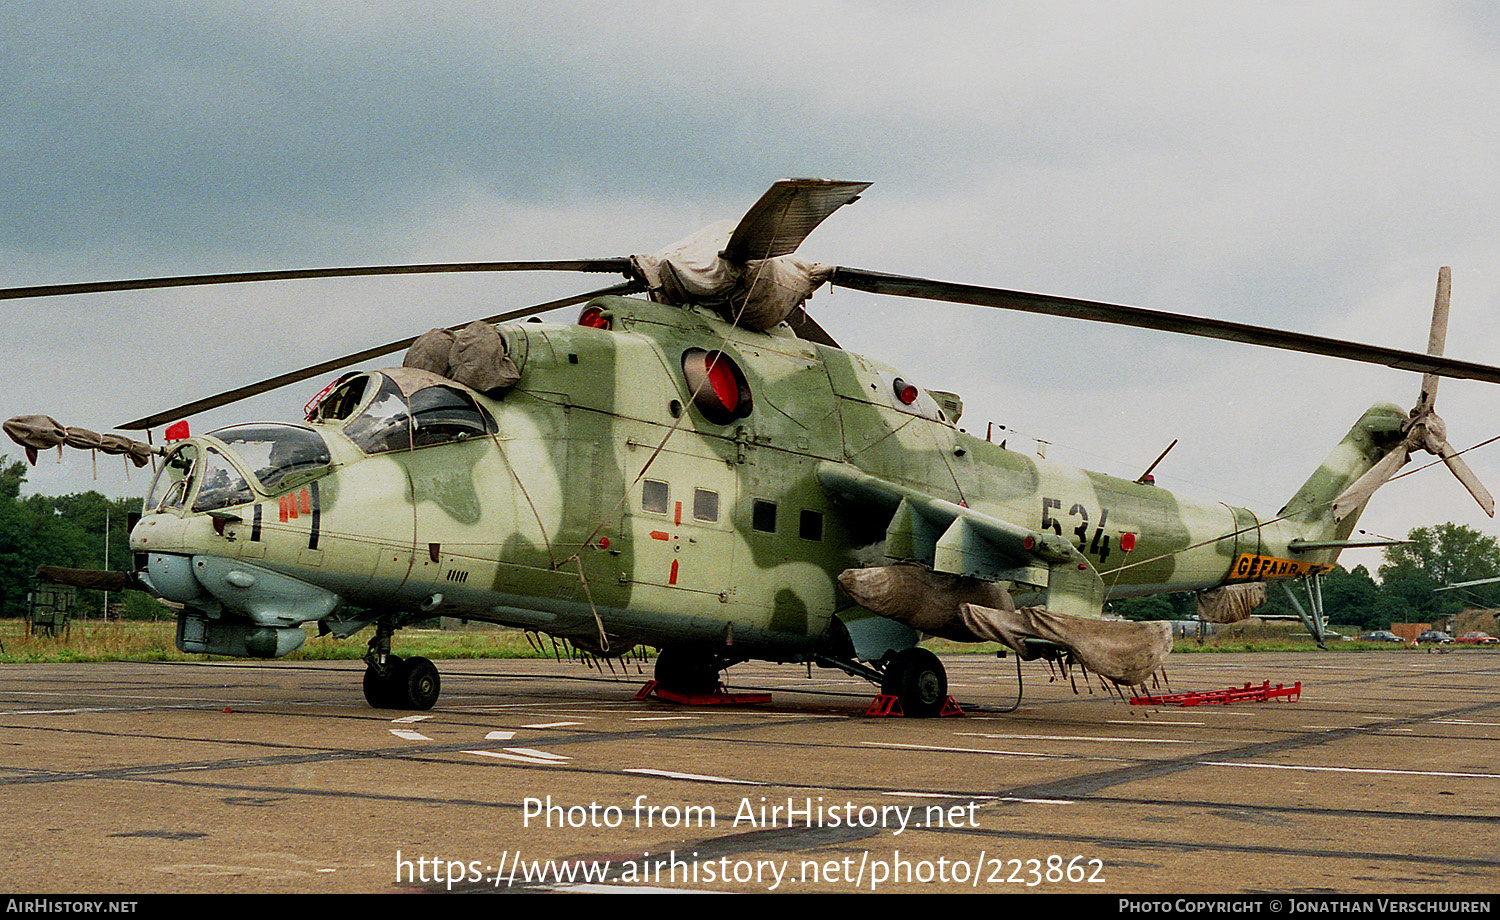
1249	566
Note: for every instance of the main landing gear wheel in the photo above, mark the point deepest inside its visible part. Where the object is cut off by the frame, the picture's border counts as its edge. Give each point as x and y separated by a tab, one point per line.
683	670
420	684
916	677
403	684
381	684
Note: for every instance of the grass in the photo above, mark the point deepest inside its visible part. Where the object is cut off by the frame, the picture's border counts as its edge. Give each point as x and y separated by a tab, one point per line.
133	640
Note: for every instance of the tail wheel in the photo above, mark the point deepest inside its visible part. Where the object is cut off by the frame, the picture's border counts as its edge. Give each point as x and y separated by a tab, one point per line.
917	678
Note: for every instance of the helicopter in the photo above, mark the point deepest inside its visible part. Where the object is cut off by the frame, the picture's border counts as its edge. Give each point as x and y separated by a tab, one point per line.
703	470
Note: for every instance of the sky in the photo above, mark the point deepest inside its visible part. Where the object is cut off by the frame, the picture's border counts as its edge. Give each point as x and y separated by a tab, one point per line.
1301	165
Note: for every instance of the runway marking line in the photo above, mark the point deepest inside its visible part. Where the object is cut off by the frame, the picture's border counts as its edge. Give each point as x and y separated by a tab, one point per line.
409	735
524	755
1077	738
963	750
1377	770
694	777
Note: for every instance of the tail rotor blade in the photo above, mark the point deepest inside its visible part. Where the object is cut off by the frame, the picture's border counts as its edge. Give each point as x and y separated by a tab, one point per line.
1437	337
1465	475
1366	485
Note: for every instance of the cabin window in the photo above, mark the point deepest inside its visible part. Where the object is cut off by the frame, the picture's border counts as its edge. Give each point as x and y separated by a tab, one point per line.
654	496
811	525
763	516
705	505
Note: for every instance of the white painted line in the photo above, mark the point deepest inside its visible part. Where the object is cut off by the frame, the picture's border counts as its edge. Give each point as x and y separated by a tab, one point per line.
499	736
532	752
411	718
913	794
962	750
663	718
409	735
695	777
501	755
551	724
1154	721
1077	738
1278	766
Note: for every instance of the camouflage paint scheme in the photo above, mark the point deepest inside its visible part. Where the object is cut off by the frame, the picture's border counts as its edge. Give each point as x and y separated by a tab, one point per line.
546	525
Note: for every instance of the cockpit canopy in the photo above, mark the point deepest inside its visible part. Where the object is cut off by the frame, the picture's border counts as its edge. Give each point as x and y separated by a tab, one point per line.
408	409
277	457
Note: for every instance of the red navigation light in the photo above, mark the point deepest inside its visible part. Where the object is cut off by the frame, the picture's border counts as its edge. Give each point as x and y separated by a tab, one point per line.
1127	542
905	392
178	432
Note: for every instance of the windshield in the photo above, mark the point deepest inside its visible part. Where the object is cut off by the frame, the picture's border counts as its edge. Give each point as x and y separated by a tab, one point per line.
170	487
278	456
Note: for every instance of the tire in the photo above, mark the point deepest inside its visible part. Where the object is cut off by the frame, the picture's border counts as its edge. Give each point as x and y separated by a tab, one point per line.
683	670
383	691
419	684
916	677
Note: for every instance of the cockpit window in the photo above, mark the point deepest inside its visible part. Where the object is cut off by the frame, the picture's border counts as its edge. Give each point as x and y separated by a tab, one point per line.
172	483
222	485
278	456
341	402
432	415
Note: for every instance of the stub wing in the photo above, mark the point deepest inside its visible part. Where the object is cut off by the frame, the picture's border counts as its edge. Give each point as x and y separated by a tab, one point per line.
960	543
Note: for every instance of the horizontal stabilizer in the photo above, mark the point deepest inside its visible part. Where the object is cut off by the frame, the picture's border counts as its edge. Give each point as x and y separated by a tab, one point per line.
1305	546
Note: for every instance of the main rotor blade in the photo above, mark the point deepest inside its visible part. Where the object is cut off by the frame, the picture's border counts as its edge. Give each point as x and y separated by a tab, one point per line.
611	266
807	328
323	367
784	216
925	289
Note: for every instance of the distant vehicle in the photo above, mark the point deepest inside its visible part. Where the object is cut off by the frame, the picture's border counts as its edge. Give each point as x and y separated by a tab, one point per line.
1434	637
1478	638
1382	635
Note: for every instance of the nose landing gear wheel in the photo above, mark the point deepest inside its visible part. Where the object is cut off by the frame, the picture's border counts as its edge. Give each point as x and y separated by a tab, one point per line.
917	678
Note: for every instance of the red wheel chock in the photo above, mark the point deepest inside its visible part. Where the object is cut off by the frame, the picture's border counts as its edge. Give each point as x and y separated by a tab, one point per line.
1245	694
887	706
717	698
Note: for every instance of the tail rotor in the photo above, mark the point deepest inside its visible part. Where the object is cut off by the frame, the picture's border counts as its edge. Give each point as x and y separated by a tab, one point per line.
1424	428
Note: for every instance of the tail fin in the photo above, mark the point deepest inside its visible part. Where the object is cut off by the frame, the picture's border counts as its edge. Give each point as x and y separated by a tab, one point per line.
1371	437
